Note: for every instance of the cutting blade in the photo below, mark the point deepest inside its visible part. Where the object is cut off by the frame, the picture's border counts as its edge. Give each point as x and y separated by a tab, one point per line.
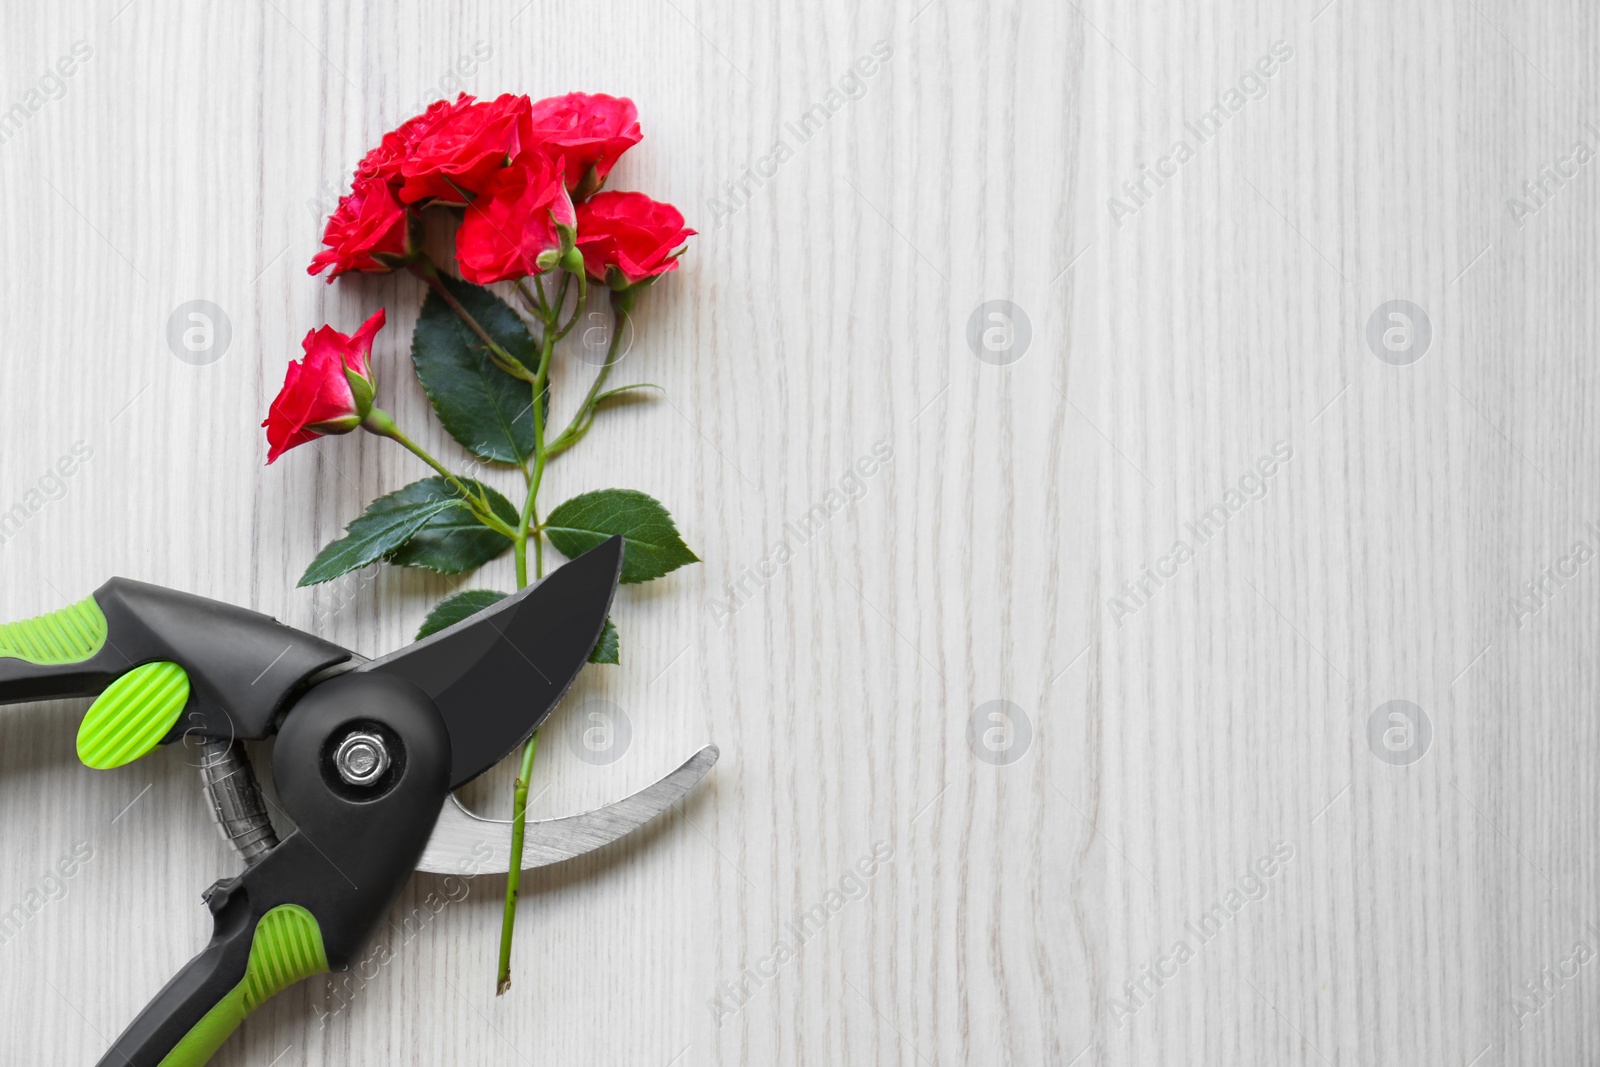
497	675
467	844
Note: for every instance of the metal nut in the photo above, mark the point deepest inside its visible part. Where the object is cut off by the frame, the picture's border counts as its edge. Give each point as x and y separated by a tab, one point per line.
361	758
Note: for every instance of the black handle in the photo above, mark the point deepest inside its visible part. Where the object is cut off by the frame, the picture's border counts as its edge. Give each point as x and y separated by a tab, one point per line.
253	955
313	902
241	667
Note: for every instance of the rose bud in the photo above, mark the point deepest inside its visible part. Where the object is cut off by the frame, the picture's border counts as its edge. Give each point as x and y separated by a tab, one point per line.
329	392
457	159
520	225
368	232
628	239
588	132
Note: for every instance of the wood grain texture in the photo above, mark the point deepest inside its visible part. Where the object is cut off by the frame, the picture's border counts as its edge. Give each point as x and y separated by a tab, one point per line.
1174	738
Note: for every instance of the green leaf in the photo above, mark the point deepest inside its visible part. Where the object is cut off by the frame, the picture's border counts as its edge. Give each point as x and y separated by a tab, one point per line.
461	606
388	523
653	545
453	541
487	410
609	648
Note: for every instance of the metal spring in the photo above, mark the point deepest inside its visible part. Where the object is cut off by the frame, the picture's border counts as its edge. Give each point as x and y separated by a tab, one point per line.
237	806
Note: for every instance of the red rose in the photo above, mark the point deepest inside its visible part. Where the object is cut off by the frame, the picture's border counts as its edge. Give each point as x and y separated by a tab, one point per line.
513	228
461	155
627	238
368	224
587	132
371	218
384	162
328	392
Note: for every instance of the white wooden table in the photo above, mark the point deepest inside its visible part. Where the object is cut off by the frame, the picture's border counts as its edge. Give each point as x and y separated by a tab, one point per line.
1178	723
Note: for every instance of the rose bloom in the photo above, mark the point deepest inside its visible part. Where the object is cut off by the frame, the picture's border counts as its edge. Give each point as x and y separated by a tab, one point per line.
459	157
371	219
384	161
368	224
628	238
328	392
585	131
515	222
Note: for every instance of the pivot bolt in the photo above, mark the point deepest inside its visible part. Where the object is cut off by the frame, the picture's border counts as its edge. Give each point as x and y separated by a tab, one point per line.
361	758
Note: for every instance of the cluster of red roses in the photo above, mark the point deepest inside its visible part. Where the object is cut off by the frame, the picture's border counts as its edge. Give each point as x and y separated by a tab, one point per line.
528	176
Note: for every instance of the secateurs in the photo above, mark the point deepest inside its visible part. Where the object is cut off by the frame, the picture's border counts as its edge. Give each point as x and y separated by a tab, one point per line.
367	754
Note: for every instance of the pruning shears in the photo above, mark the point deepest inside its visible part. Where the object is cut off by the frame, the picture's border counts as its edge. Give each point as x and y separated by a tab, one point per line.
368	753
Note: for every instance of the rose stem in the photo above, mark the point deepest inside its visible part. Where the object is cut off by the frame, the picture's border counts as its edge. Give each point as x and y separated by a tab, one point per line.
528	521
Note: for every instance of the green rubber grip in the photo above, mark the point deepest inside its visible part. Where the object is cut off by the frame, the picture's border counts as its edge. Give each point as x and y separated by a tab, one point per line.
132	716
287	947
134	712
71	635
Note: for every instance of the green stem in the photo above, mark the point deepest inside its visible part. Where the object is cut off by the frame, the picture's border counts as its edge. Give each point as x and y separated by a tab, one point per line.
380	423
424	268
527	523
519	824
585	414
577	309
532	303
520	548
560	301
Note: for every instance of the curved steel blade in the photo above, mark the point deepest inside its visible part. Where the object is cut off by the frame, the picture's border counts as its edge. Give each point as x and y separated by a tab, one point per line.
496	676
464	843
